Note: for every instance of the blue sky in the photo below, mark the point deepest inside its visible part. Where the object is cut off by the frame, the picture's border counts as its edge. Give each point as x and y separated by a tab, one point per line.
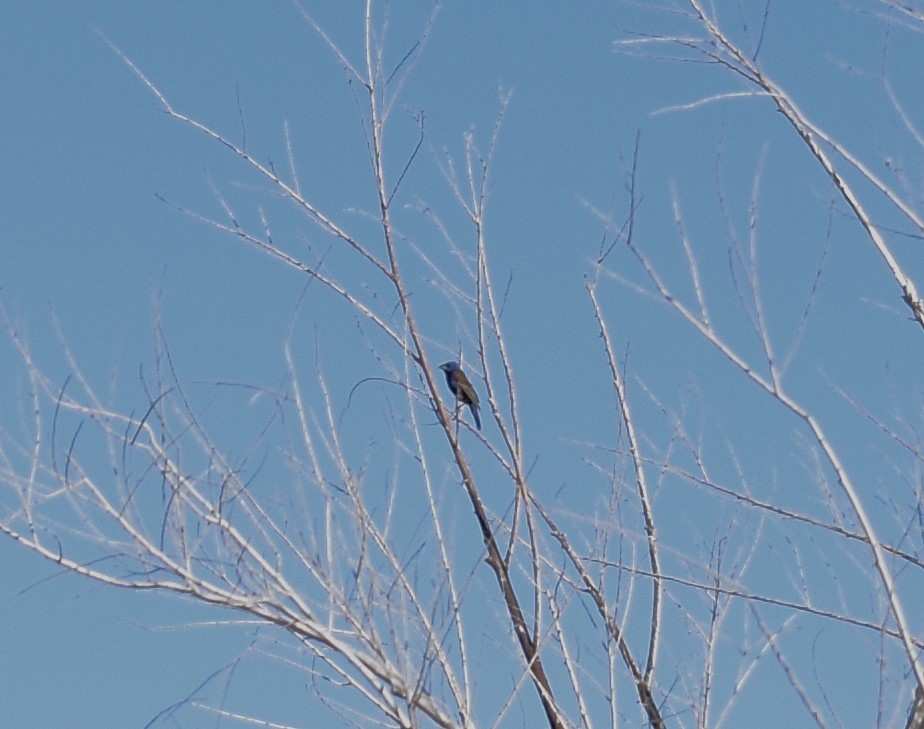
88	247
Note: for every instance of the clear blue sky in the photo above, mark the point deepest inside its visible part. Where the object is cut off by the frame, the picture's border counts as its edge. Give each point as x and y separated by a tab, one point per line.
85	241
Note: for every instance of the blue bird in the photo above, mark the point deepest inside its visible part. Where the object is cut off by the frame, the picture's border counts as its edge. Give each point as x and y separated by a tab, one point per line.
461	388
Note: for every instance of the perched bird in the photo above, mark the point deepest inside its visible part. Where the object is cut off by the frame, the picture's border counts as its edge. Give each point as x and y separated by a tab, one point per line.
462	388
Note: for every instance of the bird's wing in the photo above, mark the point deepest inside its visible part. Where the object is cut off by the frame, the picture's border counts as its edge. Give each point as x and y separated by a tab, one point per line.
470	396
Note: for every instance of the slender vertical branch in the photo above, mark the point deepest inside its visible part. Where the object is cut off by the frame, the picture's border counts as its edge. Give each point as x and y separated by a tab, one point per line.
641	483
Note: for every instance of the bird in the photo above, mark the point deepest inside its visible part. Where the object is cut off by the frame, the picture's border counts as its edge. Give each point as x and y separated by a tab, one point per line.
462	388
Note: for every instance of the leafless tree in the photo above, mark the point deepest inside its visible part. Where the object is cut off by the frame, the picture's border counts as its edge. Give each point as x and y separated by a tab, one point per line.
716	545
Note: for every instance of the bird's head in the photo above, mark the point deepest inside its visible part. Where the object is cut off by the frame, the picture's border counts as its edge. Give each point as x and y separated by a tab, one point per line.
449	366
